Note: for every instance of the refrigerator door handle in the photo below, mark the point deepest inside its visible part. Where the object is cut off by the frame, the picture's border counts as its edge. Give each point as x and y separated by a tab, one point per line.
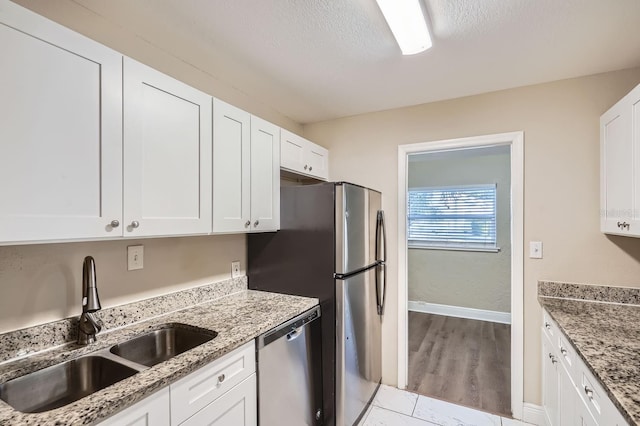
381	240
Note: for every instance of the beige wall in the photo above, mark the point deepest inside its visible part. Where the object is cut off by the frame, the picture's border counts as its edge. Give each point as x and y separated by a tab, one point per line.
470	279
560	124
41	283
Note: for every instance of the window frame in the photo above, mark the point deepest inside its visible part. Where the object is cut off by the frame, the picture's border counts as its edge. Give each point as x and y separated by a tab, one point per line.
454	245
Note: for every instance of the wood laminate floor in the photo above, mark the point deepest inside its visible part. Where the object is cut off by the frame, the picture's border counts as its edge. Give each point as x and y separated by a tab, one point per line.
459	360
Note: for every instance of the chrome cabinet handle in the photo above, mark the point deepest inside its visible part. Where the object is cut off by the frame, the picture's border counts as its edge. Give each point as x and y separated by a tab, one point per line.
255	224
221	378
623	225
588	392
247	224
115	223
547	326
135	224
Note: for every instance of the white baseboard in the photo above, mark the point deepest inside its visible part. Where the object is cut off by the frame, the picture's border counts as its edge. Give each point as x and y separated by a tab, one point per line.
533	414
459	312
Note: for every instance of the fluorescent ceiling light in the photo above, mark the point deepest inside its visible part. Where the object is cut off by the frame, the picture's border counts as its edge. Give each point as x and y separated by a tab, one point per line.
407	23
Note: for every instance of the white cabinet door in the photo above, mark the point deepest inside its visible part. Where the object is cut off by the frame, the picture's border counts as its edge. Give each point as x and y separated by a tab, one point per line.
199	389
616	158
231	168
550	383
265	175
303	157
167	155
61	132
238	407
292	151
620	167
151	411
317	159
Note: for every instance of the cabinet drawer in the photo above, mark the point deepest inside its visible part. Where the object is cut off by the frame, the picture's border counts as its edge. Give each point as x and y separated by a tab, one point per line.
567	356
194	392
237	407
550	328
592	394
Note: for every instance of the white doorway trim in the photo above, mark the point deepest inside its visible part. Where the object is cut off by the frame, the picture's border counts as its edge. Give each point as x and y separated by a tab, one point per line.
516	141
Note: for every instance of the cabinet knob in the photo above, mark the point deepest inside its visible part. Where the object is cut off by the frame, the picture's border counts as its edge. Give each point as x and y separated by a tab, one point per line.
255	224
247	224
552	358
547	326
221	378
135	224
588	392
310	168
563	351
115	223
306	167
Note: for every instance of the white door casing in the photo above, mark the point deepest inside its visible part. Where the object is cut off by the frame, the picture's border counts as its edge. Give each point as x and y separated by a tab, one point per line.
516	141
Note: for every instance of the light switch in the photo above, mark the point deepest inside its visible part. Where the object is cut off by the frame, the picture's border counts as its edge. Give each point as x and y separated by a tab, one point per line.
535	249
135	257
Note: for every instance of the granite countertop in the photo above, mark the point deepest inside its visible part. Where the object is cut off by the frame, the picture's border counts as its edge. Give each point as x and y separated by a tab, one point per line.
237	317
605	333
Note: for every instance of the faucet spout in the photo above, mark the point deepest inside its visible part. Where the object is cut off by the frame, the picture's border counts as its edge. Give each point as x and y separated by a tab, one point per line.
88	325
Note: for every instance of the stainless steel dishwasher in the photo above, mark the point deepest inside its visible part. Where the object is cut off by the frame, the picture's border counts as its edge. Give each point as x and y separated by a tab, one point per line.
290	373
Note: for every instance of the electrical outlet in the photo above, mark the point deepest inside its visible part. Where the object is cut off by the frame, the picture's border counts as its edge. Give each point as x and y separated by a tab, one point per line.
235	269
135	257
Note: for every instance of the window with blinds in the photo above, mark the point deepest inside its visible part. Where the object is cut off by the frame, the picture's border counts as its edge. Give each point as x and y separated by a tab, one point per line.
453	217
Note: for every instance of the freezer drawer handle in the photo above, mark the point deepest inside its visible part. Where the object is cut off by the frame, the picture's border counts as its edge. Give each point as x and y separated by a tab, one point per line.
294	334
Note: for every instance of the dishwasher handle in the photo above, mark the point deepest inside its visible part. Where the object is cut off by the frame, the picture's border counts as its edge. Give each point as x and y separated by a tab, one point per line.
294	334
290	329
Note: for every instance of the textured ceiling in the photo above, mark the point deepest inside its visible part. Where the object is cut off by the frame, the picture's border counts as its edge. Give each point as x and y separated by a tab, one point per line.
314	60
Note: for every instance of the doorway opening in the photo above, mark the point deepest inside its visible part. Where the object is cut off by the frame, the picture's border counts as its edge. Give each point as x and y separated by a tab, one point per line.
460	271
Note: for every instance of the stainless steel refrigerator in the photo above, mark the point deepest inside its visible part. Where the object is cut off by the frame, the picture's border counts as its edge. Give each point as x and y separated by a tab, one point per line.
331	245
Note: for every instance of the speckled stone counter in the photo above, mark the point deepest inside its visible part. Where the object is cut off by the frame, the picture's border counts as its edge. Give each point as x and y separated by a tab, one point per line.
603	324
238	317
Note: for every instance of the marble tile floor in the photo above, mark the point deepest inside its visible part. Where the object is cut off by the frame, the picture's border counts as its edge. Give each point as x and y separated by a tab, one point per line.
395	407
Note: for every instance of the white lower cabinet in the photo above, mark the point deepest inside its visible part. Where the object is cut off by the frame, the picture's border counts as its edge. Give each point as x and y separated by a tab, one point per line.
238	407
222	393
151	411
571	395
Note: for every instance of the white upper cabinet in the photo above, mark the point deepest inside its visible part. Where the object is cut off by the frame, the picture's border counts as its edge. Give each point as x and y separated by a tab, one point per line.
246	177
301	156
265	175
620	167
167	155
231	174
61	132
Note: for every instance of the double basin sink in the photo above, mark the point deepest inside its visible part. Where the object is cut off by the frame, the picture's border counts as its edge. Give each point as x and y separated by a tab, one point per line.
64	383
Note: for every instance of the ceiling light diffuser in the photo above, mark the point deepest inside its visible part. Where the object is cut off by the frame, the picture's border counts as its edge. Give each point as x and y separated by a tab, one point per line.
407	23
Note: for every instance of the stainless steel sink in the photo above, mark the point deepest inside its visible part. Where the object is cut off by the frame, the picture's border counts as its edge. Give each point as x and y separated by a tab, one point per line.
62	384
160	345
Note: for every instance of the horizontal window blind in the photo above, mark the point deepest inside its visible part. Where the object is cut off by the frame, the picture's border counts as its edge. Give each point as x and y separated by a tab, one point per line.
462	216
